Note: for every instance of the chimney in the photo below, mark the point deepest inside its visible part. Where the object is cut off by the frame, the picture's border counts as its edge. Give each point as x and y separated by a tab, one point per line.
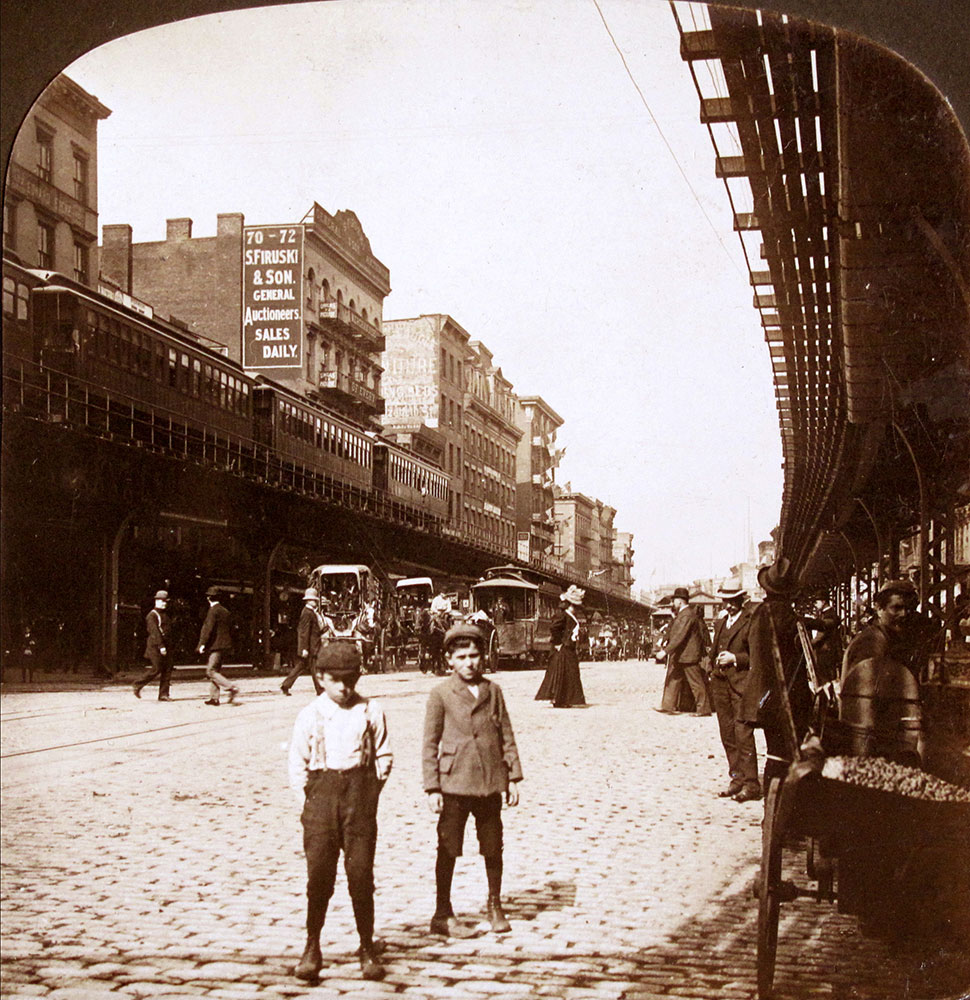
178	230
116	255
229	224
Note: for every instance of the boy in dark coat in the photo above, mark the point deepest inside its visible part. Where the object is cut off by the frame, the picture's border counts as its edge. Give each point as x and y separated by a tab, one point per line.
470	763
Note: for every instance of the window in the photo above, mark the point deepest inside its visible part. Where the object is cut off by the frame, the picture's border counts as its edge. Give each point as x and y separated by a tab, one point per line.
9	224
45	155
45	244
81	178
81	269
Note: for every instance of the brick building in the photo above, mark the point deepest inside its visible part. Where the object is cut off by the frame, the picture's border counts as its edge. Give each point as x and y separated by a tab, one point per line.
50	205
435	376
573	515
536	460
602	536
342	287
623	560
491	439
424	361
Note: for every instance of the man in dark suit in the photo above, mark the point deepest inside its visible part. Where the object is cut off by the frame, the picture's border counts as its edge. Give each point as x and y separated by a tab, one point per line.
156	649
827	639
215	640
730	663
687	642
308	633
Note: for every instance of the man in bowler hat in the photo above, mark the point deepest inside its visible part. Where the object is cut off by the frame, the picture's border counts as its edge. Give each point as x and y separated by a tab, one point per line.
215	640
308	637
687	643
157	649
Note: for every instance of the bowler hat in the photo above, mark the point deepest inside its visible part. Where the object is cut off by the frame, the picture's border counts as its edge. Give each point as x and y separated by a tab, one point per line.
463	630
573	594
161	595
777	578
213	592
339	659
311	594
681	592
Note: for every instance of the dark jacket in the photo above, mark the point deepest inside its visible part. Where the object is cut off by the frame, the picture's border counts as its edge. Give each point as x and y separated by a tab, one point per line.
215	635
774	621
157	622
308	633
469	747
563	625
733	639
687	637
827	644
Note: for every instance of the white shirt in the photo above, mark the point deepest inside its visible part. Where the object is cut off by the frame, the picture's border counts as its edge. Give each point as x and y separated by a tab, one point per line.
441	603
332	737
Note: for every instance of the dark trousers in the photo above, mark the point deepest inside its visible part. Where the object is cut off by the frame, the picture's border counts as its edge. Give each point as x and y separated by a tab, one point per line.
340	814
737	737
676	672
161	667
487	810
302	667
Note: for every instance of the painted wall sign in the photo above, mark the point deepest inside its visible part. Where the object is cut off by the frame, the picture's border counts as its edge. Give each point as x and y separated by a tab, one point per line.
272	290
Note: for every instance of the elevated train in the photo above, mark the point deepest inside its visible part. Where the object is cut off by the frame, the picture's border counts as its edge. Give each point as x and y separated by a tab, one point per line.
77	357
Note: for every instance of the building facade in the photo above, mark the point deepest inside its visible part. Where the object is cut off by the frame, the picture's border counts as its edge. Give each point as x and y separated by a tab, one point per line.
437	377
573	514
424	366
623	560
338	291
536	460
50	206
491	439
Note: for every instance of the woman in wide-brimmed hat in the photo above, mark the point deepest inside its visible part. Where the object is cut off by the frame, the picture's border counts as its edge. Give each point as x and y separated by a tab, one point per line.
562	684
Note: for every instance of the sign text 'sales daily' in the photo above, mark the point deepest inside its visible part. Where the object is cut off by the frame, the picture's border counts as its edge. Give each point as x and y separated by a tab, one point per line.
272	288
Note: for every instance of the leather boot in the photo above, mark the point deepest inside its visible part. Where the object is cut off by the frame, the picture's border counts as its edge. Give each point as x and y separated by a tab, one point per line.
311	963
370	966
496	915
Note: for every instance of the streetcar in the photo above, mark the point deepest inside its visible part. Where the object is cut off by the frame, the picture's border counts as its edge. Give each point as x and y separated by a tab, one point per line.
520	605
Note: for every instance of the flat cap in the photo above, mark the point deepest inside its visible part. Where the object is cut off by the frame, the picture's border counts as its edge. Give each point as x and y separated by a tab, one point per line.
338	659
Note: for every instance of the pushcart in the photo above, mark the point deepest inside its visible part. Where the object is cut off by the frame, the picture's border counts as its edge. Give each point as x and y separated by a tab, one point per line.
875	852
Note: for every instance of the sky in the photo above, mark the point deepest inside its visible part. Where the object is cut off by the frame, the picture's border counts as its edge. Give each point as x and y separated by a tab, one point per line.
508	172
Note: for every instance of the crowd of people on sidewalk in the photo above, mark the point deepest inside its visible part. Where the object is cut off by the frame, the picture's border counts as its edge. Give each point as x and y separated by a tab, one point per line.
735	670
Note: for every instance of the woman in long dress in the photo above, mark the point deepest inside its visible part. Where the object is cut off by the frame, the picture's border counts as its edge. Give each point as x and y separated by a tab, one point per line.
562	684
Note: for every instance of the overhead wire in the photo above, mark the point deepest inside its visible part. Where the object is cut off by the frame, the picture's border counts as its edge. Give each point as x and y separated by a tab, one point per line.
660	132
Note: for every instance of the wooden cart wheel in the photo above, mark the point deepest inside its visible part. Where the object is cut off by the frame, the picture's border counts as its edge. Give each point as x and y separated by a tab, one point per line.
769	892
491	660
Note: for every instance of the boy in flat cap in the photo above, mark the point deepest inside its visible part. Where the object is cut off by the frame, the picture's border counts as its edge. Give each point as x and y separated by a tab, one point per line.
470	763
339	759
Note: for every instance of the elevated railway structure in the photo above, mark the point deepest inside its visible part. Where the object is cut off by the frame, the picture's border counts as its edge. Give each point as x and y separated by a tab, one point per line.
849	178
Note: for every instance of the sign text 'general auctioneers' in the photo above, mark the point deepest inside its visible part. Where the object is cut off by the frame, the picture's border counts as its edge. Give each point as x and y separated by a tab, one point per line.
272	306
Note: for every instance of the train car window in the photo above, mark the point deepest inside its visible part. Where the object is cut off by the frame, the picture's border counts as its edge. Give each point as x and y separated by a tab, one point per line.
9	297
222	389
173	367
317	439
196	377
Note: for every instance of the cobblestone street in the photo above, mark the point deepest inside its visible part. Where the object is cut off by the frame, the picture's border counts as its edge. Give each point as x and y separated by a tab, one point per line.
154	850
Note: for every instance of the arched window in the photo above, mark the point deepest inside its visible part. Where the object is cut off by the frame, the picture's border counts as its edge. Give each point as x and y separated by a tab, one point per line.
352	305
326	290
311	299
340	295
363	313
